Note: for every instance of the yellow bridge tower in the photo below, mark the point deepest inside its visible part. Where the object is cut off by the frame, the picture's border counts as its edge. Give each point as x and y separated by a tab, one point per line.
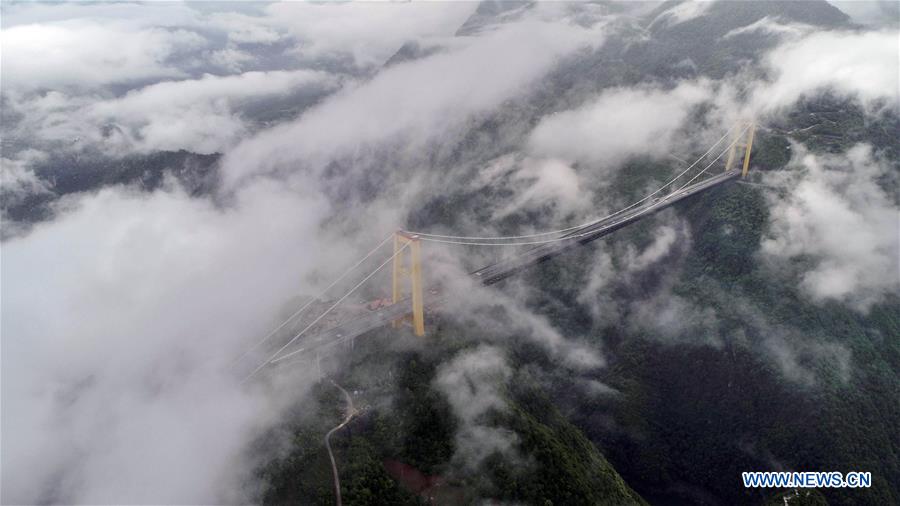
403	241
742	140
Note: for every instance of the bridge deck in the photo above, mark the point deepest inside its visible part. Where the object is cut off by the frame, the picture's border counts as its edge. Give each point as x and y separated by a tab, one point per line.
509	266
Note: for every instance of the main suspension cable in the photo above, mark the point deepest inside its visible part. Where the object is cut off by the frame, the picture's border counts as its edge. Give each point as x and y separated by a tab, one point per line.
274	358
339	340
737	138
424	235
577	236
525	243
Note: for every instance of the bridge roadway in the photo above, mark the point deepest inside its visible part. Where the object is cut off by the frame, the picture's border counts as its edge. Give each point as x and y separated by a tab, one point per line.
509	266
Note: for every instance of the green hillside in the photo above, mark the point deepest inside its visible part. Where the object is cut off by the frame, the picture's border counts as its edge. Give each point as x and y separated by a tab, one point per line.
409	421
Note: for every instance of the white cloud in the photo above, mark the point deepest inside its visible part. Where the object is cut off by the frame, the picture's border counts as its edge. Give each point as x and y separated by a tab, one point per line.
619	123
473	383
663	240
773	26
408	99
119	320
594	294
244	29
800	357
654	306
684	11
88	54
18	179
133	14
230	58
545	185
671	316
838	215
201	115
370	31
503	313
861	64
871	12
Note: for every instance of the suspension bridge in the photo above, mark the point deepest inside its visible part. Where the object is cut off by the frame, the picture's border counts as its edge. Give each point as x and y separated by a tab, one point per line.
409	299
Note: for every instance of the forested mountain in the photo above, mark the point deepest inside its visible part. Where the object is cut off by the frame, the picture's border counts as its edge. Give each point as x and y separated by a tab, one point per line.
749	375
754	327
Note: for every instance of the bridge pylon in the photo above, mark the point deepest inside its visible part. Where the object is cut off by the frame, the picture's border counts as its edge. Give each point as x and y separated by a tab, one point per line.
403	241
743	140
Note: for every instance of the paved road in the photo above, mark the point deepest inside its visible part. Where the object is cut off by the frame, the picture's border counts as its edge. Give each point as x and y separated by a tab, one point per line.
350	413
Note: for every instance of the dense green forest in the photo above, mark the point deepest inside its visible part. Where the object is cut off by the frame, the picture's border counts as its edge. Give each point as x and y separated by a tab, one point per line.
685	414
415	425
702	406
